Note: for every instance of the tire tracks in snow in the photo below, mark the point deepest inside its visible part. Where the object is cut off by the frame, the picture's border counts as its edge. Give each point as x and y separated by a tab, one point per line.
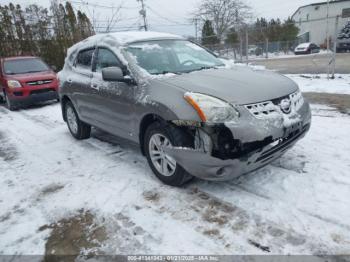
224	223
221	218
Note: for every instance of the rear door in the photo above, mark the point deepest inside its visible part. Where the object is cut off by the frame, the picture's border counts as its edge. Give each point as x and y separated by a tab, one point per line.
80	85
115	101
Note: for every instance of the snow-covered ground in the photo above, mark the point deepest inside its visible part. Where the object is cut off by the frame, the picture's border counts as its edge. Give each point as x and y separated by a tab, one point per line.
297	205
320	84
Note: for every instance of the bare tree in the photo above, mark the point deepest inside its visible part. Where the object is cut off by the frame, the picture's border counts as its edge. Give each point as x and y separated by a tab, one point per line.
110	22
224	14
114	18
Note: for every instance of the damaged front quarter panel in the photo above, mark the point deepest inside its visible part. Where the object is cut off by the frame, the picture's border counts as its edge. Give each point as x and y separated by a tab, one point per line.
239	148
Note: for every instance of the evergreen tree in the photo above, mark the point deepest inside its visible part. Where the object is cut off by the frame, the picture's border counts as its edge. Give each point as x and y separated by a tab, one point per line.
37	31
209	37
71	22
231	37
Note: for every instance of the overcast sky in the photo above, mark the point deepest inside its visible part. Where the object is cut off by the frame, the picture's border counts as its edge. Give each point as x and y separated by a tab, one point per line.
169	15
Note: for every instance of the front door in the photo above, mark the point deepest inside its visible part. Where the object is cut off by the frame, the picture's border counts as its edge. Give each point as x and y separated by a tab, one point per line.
115	100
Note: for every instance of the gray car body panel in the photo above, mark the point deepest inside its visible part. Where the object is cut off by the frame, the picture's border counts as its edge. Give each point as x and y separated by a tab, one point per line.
240	85
119	109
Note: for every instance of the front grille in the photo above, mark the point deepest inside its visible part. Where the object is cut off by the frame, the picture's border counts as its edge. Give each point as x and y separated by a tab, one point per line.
267	109
18	93
261	110
297	100
41	91
39	82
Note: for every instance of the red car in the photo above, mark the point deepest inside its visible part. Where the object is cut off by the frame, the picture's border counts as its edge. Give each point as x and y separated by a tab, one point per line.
26	80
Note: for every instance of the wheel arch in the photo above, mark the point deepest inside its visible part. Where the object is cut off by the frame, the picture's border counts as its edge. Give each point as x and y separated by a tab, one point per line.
64	101
146	121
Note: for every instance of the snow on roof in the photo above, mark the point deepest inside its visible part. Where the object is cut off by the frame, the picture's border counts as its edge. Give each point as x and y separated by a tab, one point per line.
303	45
136	36
320	3
123	38
120	39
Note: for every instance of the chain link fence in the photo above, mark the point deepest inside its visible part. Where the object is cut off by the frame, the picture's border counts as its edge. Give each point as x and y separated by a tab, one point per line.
241	52
278	55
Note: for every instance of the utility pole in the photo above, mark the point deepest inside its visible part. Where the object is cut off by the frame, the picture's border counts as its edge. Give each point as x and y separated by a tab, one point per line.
327	39
143	13
247	43
196	28
241	47
335	45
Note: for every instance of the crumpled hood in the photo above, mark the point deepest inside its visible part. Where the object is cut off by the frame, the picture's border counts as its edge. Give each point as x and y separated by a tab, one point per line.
240	85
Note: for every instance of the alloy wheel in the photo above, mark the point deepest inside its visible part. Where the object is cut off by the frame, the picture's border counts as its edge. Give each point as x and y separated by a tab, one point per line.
164	163
72	120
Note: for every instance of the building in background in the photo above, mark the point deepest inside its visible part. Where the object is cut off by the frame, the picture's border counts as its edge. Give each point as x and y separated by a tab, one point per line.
312	20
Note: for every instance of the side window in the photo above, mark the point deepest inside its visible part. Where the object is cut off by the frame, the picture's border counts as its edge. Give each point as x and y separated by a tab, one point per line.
84	58
106	58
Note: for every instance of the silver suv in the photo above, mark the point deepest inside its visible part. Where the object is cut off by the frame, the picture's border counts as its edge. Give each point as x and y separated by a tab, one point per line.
192	113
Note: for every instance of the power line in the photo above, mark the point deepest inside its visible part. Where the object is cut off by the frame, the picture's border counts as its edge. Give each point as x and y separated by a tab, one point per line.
143	13
163	17
98	5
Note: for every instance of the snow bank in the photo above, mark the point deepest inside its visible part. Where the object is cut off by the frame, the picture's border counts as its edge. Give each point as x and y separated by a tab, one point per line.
320	84
283	55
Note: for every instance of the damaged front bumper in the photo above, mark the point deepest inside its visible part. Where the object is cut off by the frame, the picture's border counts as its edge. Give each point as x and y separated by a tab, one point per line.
271	139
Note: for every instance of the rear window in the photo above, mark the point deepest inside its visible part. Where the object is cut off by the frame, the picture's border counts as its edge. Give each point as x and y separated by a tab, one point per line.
23	66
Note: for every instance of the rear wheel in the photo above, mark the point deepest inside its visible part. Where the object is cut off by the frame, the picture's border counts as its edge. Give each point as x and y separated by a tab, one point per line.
77	128
157	137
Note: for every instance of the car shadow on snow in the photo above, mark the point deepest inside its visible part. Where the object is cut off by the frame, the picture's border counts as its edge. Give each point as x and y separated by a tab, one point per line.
8	151
28	107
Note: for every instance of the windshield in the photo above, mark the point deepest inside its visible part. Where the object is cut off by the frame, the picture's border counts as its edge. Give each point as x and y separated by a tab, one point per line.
23	66
172	56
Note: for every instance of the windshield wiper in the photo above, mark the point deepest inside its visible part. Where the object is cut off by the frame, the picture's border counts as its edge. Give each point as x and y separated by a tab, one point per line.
168	72
202	68
27	72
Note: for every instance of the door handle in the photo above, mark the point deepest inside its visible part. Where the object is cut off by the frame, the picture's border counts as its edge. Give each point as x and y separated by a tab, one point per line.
69	80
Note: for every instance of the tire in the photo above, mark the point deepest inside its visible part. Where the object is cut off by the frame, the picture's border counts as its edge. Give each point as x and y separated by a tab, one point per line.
77	128
176	137
9	104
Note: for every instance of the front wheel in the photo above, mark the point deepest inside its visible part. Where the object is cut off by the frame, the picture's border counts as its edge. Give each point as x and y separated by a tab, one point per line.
157	137
77	128
9	103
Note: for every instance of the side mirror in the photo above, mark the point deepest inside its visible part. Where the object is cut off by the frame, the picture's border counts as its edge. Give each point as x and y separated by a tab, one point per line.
113	74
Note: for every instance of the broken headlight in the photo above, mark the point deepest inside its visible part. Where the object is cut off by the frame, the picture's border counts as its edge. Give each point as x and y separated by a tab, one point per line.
211	109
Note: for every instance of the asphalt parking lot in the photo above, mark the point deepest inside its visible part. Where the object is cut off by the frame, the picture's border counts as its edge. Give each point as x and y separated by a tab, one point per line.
306	64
